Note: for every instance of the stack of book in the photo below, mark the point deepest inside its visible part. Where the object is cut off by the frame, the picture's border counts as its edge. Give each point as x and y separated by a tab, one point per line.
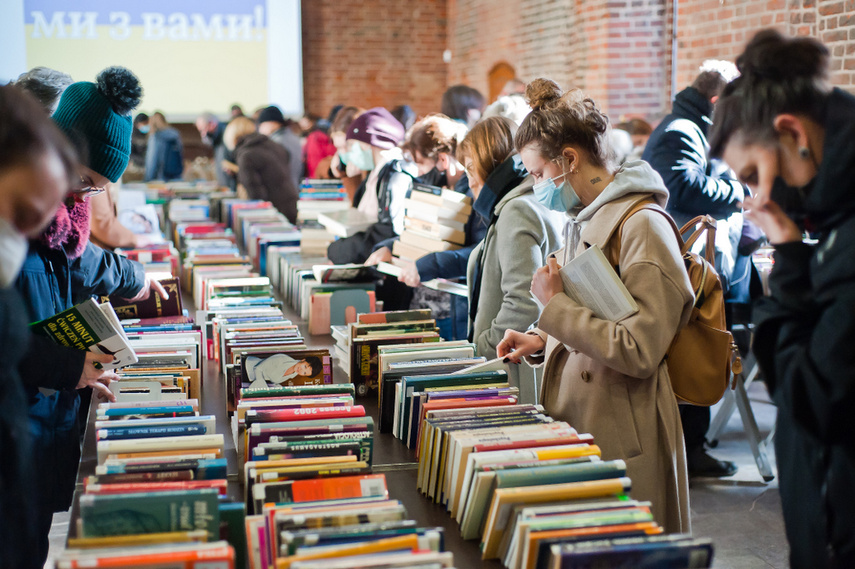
312	497
435	220
372	330
347	222
320	196
532	489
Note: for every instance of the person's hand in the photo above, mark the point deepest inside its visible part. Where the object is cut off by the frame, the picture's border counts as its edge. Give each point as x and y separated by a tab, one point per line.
335	166
381	255
98	379
516	345
149	286
410	276
546	282
772	220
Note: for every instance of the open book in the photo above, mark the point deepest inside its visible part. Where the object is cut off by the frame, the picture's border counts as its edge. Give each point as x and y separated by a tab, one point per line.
591	281
89	326
436	284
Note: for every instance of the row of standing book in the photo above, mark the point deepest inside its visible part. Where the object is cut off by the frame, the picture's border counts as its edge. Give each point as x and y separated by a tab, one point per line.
305	450
159	494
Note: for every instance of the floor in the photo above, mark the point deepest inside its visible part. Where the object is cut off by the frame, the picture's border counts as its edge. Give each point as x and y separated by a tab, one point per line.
741	514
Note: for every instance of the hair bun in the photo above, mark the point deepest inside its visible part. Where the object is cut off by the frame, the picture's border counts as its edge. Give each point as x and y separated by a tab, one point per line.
121	87
771	55
542	94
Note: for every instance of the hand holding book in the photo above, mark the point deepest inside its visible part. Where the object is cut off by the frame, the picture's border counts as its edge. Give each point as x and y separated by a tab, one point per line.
96	377
150	286
546	281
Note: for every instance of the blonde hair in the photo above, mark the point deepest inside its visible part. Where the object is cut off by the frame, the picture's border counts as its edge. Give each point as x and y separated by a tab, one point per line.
558	120
238	129
488	144
434	134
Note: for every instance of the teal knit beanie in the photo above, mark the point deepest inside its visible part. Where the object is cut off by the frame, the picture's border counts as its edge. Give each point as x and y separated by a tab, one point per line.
97	115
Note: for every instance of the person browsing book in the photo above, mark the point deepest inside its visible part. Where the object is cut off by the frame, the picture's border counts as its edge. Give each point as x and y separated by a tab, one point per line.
63	268
521	232
432	144
607	378
790	136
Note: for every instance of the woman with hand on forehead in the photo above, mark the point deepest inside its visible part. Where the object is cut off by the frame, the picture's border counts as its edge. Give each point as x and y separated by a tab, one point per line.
608	378
790	137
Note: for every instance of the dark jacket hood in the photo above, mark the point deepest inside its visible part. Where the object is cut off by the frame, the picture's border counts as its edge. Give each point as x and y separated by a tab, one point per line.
833	196
507	176
251	140
690	104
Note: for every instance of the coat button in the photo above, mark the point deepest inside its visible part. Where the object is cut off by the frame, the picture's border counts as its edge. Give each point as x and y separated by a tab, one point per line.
586	377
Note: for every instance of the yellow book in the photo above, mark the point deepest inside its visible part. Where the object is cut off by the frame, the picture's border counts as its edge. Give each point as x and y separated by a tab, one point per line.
389	544
137	539
505	498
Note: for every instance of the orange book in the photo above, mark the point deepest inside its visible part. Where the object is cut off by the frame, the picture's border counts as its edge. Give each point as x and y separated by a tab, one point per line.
650	528
179	557
338	488
399	543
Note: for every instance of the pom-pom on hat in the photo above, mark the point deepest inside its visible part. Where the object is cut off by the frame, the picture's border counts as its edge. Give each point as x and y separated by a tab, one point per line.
98	115
377	127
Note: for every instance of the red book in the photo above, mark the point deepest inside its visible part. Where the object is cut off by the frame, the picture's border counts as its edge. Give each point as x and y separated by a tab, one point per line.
137	487
303	414
317	489
584	438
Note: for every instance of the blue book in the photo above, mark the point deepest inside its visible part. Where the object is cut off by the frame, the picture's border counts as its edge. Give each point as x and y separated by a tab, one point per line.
120	433
165	410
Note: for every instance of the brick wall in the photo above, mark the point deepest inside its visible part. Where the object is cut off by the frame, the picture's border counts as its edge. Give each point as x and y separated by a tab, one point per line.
373	53
389	52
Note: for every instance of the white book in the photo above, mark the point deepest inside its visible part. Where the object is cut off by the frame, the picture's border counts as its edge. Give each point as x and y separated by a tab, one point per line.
106	448
346	222
591	281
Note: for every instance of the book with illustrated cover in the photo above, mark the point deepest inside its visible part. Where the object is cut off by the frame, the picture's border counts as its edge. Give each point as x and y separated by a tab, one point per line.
89	326
152	307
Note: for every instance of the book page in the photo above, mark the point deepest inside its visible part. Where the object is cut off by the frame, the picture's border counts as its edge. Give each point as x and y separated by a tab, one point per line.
591	281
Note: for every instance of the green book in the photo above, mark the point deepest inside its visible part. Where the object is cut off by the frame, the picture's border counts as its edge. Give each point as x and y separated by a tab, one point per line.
233	529
153	512
285	390
89	326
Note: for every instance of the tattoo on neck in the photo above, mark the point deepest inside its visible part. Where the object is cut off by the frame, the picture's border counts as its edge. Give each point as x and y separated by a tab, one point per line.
596	180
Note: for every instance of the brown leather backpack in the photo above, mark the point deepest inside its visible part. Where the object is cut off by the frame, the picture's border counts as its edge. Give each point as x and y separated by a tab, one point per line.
703	353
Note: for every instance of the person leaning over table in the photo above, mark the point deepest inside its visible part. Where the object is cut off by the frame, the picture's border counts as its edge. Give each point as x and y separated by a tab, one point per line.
521	233
607	378
790	136
37	166
62	268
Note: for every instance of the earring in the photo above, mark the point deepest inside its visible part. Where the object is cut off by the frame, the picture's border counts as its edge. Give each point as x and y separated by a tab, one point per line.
804	152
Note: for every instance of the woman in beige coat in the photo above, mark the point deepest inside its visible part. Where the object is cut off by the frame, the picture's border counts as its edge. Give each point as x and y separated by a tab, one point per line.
603	377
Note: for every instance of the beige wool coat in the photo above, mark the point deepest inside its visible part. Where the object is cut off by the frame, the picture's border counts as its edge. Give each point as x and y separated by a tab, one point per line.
609	378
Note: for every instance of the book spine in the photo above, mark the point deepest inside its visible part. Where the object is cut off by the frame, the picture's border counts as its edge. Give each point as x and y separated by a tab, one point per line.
305	414
135	477
136	487
149	432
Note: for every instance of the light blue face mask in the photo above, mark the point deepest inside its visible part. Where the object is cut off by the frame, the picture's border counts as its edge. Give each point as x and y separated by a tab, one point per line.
561	197
144	129
359	157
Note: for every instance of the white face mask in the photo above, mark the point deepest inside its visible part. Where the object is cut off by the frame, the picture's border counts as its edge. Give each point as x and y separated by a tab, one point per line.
13	252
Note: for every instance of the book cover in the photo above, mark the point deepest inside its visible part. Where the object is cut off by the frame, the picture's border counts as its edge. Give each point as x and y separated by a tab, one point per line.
88	326
152	307
102	515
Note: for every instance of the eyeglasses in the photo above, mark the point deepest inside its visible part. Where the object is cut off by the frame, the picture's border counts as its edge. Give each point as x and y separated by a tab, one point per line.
87	190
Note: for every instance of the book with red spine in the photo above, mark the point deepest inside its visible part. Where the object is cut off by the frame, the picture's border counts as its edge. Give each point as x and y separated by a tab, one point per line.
303	414
367	485
92	487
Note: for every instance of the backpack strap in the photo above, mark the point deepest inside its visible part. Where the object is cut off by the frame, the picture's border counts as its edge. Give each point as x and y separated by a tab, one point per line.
617	237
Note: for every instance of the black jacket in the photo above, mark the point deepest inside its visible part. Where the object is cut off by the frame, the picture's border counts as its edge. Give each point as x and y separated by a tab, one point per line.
18	543
679	151
263	169
803	341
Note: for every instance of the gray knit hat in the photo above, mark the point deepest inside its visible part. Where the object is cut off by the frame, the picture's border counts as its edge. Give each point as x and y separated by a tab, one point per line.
98	116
